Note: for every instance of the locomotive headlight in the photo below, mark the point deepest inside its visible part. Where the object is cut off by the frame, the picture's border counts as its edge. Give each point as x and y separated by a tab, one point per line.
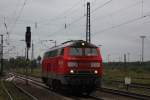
71	71
95	64
83	44
96	72
72	64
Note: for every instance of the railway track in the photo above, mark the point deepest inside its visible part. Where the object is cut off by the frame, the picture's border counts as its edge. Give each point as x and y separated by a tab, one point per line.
134	85
25	92
124	93
37	79
13	91
60	94
105	90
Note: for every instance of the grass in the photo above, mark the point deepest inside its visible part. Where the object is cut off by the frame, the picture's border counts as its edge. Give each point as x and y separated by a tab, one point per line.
36	72
3	95
124	88
137	74
14	92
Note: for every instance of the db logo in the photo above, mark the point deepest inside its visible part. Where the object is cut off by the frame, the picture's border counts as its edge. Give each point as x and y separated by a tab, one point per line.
60	63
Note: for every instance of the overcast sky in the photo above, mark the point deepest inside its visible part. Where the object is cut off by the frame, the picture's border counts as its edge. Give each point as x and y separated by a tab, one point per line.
115	24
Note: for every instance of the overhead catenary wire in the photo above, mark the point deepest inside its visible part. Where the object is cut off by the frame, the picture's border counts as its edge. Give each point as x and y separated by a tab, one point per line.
61	15
117	11
15	11
121	24
81	17
19	15
69	12
99	31
142	3
15	22
101	6
115	26
68	25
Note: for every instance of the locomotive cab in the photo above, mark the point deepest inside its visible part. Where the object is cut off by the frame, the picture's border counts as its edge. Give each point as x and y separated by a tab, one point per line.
84	64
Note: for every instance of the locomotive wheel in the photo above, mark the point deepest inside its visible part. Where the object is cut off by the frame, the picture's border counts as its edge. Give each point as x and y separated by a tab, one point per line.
89	90
44	79
87	93
56	85
53	85
48	83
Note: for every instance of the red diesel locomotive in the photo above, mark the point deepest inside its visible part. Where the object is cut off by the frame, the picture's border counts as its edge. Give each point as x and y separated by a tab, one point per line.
74	64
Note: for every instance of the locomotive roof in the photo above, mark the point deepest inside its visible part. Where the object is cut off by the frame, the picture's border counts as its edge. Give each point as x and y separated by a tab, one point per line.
73	43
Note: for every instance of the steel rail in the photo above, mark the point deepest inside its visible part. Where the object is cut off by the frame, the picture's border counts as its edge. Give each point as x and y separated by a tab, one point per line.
135	85
124	93
29	77
40	84
88	98
25	92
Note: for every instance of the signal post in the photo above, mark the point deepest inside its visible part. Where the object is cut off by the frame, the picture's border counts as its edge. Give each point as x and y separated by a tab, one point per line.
28	45
1	55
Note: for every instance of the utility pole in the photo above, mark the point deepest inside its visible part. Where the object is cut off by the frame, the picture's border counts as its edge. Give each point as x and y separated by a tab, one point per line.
88	24
108	58
128	56
32	53
142	8
142	37
25	53
32	56
125	60
25	50
1	71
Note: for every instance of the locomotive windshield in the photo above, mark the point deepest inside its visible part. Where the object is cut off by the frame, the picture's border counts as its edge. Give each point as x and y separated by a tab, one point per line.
83	51
91	52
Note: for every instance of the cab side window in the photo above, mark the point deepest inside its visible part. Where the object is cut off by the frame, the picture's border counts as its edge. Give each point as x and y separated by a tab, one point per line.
62	51
46	55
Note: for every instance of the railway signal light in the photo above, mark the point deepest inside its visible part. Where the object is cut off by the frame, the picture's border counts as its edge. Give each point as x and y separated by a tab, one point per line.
28	37
28	43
